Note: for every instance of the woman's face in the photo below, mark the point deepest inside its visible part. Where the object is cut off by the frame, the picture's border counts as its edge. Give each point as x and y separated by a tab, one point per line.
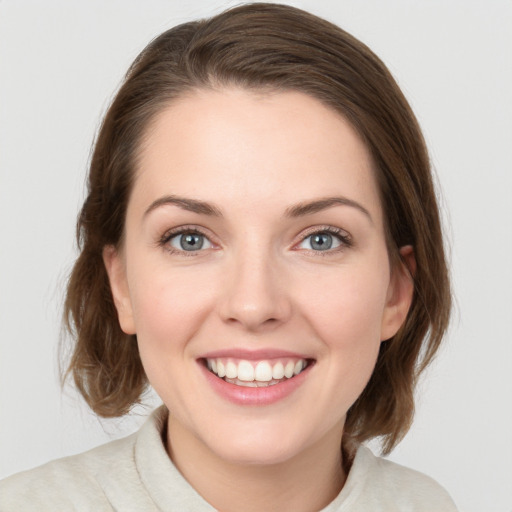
254	247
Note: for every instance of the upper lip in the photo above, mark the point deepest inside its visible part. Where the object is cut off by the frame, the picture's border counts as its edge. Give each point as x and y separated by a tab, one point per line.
253	355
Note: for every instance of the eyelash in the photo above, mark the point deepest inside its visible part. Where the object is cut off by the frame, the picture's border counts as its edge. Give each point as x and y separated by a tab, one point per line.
182	230
343	237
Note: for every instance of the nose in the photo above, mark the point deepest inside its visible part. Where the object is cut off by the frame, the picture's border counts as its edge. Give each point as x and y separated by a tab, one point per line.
255	295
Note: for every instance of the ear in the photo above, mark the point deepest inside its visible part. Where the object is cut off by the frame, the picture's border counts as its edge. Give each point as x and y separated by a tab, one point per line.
116	270
400	293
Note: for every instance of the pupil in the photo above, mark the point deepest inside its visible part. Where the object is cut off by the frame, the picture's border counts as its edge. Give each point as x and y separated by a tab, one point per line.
321	242
191	242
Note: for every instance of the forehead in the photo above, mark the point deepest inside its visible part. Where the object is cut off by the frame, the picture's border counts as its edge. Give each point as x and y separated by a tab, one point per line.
217	145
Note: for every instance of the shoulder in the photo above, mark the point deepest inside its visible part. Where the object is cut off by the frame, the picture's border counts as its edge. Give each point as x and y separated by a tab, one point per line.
105	478
78	482
377	484
134	473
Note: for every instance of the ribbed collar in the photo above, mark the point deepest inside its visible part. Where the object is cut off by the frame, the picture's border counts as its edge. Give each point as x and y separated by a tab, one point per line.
171	492
164	483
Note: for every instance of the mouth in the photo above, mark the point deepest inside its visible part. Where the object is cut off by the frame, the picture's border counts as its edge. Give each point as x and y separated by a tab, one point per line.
256	374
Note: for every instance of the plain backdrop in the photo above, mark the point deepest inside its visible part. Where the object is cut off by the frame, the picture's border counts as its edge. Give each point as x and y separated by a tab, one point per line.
60	63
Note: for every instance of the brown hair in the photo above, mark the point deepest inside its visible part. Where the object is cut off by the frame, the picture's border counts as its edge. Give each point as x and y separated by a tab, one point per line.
274	47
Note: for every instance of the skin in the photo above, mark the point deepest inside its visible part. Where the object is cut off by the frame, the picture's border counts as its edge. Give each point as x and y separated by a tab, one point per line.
257	283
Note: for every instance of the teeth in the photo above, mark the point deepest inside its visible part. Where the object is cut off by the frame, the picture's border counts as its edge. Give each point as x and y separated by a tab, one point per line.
263	372
278	371
252	374
238	382
245	371
231	370
288	370
253	383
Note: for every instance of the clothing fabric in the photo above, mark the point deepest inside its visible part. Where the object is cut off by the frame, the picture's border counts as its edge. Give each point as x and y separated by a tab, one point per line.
136	474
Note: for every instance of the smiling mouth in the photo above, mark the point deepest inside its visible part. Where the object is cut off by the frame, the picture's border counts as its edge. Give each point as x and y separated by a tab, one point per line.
256	373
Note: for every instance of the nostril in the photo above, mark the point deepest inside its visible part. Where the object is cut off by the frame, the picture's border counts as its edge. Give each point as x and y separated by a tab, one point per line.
253	321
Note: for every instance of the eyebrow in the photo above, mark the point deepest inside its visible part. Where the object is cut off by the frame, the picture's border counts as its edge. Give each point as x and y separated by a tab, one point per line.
297	210
191	205
302	209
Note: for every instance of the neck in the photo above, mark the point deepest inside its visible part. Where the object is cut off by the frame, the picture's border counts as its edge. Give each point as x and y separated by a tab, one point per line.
308	481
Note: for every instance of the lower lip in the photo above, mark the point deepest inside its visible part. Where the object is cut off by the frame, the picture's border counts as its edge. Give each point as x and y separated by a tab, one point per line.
242	395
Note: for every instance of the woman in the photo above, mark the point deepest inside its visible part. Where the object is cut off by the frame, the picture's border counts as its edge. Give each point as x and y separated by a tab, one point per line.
260	243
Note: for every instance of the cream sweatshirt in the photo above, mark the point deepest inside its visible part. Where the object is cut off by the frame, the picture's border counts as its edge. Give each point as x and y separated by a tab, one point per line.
136	474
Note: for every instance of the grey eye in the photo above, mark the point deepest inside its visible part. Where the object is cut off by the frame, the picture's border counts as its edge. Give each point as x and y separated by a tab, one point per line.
190	242
321	241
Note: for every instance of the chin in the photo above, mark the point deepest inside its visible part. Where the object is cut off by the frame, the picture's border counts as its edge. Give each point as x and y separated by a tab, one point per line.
258	446
251	455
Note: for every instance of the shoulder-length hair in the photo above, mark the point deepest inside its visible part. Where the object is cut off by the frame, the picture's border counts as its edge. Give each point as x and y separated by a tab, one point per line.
279	48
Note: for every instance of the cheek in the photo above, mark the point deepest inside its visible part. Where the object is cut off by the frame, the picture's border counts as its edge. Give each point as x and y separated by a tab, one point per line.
346	317
169	305
346	308
169	308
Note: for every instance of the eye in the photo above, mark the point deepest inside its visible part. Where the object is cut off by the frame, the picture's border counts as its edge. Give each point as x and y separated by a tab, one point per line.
188	241
325	240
